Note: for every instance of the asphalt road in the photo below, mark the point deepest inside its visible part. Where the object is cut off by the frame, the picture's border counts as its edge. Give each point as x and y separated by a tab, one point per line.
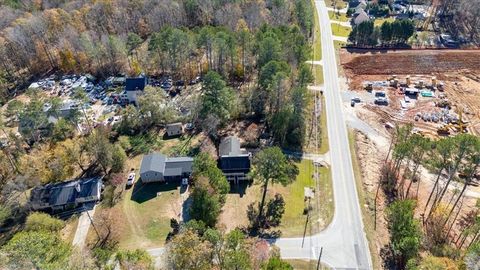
344	242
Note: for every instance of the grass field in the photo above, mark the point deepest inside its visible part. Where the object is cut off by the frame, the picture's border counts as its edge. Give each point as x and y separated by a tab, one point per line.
339	30
234	212
338	44
337	16
293	221
317	45
380	21
148	214
324	147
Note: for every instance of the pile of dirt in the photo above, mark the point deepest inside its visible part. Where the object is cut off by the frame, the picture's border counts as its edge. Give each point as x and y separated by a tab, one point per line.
411	62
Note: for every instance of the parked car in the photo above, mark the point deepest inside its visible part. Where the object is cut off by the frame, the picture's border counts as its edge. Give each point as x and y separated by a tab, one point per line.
356	99
131	179
195	81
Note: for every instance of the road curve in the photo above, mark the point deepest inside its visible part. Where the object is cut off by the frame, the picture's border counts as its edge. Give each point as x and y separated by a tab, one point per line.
344	242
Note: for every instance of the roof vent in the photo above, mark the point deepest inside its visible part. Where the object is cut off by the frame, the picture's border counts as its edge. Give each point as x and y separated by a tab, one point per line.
78	188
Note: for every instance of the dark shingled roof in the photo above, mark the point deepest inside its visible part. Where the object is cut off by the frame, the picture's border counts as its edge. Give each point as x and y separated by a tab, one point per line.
240	163
135	84
65	192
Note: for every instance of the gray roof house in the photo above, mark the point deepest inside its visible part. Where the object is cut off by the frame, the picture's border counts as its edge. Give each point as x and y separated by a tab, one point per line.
359	17
67	195
157	167
174	129
133	88
233	161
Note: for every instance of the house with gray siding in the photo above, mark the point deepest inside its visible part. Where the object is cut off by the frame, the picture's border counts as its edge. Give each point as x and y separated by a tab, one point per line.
157	167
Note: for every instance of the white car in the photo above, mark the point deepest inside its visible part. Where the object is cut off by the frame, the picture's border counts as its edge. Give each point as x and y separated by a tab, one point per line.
131	179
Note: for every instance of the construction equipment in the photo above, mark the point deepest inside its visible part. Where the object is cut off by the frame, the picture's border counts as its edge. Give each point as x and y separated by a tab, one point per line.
368	86
443	103
443	130
460	125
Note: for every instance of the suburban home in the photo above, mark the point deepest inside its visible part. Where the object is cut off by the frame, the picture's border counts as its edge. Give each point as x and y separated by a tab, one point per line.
174	129
67	195
360	16
133	88
157	167
357	3
233	161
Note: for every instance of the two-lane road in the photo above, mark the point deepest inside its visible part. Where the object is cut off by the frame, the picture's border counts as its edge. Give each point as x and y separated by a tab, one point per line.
344	242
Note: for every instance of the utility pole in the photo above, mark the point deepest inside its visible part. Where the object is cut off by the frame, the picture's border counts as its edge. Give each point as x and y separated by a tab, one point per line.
93	225
319	258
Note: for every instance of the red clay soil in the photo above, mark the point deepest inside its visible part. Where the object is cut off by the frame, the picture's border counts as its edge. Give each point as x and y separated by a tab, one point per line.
411	62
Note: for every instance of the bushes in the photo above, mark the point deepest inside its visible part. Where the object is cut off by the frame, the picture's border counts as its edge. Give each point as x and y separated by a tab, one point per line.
43	222
134	259
405	234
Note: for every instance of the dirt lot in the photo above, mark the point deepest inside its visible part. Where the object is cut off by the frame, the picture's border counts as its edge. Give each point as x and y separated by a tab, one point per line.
410	62
460	74
458	71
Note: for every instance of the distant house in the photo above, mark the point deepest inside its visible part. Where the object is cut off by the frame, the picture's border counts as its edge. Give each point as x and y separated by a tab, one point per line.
174	129
360	16
133	88
357	3
66	195
158	168
233	161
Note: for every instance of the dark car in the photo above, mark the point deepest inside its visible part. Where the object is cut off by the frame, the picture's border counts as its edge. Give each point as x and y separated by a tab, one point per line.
180	83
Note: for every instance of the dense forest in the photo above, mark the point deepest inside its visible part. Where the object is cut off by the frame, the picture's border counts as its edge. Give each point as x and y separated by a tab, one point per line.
111	37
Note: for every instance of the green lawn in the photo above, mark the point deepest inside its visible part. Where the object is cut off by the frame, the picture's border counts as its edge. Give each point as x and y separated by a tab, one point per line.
338	44
380	21
337	16
324	147
293	221
317	45
339	30
146	211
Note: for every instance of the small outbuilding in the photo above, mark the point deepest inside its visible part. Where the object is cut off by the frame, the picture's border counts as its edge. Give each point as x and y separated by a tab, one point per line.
174	129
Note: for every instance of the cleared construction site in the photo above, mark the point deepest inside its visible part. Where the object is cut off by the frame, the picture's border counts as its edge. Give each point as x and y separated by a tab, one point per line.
436	90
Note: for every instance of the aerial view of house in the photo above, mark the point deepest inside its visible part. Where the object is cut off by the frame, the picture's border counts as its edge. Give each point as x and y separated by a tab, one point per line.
157	167
66	195
233	161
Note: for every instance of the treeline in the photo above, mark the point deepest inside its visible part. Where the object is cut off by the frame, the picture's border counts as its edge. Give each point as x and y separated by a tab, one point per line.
109	37
460	18
276	57
395	33
445	228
